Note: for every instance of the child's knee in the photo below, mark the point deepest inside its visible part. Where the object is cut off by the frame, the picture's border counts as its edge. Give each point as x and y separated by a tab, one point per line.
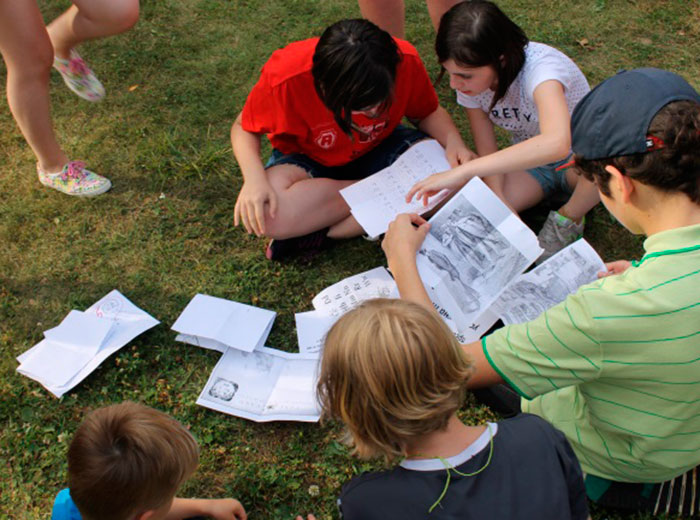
126	15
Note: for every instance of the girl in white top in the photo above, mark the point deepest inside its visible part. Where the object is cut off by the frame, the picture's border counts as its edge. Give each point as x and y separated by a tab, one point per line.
527	88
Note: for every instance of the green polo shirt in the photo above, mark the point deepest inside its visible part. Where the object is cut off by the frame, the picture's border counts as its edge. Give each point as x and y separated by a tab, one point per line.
616	366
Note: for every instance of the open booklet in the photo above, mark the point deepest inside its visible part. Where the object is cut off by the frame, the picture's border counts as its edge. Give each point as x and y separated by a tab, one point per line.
264	385
334	301
476	246
217	324
378	199
548	284
72	350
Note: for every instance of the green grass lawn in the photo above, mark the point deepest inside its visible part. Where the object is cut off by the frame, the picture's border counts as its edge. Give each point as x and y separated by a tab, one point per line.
164	233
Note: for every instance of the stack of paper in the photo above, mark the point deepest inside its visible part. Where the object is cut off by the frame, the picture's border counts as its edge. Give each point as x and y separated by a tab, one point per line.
337	299
218	324
71	351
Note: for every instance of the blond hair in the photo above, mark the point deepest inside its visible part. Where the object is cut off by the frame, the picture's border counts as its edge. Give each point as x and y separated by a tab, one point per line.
128	458
391	370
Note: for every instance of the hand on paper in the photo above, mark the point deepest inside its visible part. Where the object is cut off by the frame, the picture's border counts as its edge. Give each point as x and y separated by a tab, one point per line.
310	517
403	239
616	267
252	201
451	180
458	153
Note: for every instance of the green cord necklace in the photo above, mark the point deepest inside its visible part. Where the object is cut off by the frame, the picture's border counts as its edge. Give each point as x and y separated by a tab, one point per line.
449	467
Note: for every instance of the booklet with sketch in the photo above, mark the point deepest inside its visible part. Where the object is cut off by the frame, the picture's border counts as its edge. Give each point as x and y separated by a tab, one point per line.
475	248
264	385
378	199
549	283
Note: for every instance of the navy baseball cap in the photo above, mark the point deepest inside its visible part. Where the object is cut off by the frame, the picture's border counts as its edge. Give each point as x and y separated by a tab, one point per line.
613	119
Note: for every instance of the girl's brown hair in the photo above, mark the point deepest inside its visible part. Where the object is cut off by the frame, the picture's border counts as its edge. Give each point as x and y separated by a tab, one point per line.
391	371
126	459
673	167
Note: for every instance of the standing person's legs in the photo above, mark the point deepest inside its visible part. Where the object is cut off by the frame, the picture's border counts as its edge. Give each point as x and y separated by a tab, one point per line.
386	14
28	54
90	19
436	8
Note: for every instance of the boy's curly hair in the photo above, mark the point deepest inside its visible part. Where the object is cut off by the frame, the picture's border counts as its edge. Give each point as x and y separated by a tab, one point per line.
673	168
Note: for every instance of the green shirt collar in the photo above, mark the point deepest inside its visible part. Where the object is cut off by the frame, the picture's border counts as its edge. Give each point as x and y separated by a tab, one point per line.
671	242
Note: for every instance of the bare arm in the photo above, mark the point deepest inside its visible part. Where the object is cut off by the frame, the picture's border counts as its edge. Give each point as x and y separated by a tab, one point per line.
552	144
484	374
256	194
440	126
485	142
221	509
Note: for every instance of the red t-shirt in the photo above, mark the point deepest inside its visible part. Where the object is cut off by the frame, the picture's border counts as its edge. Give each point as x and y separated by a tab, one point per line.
284	105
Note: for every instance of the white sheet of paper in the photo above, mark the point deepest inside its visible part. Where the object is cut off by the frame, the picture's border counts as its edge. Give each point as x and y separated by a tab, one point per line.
226	322
263	385
312	327
81	331
54	363
549	283
128	321
378	199
350	292
475	248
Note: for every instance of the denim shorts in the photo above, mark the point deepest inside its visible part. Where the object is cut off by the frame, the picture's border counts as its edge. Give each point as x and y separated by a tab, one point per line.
378	158
550	180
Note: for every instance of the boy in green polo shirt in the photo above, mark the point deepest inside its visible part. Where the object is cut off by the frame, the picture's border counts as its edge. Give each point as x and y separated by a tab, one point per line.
616	366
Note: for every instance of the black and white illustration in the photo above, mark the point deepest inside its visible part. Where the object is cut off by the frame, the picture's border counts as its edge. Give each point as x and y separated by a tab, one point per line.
473	251
549	283
263	385
223	389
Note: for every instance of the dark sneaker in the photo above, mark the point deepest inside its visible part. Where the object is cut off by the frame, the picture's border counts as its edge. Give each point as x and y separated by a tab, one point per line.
306	245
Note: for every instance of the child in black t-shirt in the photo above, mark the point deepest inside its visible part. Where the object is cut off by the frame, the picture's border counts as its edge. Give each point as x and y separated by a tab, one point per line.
395	376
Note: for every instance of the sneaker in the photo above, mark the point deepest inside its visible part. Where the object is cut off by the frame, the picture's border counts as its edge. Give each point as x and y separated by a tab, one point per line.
557	233
79	77
307	245
74	179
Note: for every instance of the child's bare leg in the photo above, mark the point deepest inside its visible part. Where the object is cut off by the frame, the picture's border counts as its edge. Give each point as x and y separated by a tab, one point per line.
89	19
521	191
387	14
346	228
436	8
304	204
583	199
28	54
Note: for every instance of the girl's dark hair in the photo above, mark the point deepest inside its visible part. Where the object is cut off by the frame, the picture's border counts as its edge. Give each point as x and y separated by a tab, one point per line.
673	168
476	33
354	67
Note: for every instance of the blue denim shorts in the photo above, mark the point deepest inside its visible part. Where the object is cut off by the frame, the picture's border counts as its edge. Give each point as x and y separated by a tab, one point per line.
550	180
378	158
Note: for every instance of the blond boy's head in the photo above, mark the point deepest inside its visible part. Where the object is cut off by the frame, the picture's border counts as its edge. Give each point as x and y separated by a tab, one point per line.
391	371
128	459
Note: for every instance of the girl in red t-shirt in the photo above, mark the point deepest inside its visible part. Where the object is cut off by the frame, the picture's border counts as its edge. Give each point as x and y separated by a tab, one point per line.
331	108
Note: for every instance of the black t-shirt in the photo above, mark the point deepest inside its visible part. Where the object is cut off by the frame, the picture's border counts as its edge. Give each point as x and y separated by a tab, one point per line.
533	473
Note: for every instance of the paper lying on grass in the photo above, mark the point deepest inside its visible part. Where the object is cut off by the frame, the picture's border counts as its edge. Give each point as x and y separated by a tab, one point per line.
378	199
83	340
264	385
549	283
217	324
337	299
